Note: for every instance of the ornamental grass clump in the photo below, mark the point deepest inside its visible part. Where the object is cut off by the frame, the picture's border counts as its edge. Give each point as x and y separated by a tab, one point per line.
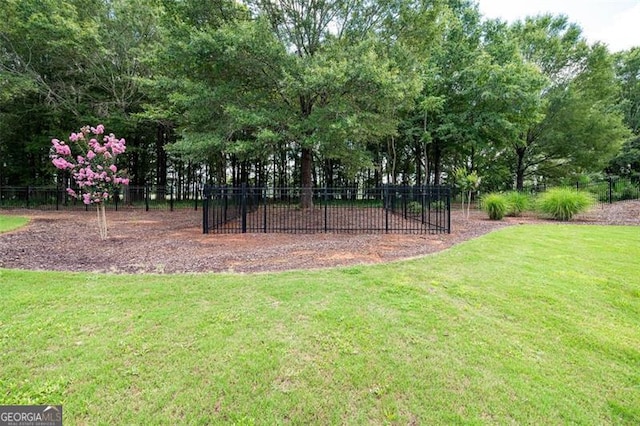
495	205
564	203
517	203
92	167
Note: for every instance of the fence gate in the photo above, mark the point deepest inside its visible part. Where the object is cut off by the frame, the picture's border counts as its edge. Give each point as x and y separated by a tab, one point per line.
387	209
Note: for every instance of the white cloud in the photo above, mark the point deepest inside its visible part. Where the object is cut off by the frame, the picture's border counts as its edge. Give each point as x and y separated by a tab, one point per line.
614	22
623	31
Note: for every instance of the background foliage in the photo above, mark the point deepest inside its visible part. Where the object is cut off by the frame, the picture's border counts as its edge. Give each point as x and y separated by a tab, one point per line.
315	93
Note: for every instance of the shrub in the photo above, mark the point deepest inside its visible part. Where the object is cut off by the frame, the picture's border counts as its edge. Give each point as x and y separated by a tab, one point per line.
437	205
564	203
414	207
624	190
495	205
517	202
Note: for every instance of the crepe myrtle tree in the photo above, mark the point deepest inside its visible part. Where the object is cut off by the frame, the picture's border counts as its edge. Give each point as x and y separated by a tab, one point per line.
92	165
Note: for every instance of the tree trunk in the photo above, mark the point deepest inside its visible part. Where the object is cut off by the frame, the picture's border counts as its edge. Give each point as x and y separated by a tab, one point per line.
328	173
306	169
437	159
520	169
306	160
161	159
418	162
102	221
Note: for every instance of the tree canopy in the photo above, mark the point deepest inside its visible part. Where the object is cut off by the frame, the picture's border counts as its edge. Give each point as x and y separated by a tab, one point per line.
315	93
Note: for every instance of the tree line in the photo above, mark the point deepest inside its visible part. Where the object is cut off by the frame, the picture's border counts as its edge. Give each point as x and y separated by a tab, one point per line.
315	92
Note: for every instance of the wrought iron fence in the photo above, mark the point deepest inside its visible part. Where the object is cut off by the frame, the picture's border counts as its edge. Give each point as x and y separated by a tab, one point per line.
389	209
612	190
56	198
605	191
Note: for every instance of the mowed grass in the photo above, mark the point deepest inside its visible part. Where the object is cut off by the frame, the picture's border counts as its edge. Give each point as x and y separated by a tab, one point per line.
9	223
535	324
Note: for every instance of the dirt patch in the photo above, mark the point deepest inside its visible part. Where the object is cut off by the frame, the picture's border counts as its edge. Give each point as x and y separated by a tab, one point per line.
172	242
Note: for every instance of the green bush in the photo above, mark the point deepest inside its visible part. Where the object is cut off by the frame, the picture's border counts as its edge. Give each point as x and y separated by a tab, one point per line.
564	203
414	207
437	205
517	202
624	190
495	205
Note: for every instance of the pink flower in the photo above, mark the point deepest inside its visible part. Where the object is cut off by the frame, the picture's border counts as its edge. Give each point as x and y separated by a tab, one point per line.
98	130
62	164
93	172
60	147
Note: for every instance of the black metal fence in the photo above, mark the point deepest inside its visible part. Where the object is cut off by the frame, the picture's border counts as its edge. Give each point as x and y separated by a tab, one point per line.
389	209
605	191
612	190
57	198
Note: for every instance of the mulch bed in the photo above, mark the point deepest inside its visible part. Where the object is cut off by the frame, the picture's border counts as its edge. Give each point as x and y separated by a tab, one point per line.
172	242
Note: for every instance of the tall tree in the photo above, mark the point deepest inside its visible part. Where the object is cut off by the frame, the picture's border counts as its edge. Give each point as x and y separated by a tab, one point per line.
341	85
442	120
42	70
627	67
581	127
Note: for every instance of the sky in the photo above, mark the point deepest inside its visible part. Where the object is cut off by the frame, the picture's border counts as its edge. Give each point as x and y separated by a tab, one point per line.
613	22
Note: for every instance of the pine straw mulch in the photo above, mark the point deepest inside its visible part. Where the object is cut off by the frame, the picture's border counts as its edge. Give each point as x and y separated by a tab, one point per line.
173	242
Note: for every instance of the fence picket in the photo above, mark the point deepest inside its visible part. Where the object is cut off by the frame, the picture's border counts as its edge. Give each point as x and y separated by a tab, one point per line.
387	209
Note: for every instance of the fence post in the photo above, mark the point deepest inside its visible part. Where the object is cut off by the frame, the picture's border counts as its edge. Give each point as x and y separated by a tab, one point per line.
225	201
403	192
448	210
610	190
577	185
27	195
424	200
146	198
385	196
264	208
325	200
205	209
244	207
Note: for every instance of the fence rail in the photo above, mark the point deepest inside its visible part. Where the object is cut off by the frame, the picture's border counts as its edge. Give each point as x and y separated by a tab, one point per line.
612	190
56	198
605	191
351	210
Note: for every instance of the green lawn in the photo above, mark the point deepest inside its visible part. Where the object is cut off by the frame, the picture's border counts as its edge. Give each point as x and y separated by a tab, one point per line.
9	223
534	324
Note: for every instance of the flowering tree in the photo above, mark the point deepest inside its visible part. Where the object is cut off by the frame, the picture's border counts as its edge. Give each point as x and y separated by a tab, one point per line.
92	167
